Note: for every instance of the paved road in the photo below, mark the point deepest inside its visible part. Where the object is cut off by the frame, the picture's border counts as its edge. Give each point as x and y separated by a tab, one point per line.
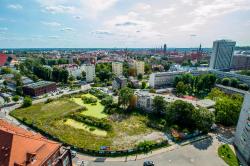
202	153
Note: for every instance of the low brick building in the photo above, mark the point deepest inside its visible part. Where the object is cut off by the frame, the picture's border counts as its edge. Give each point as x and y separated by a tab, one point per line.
19	147
39	88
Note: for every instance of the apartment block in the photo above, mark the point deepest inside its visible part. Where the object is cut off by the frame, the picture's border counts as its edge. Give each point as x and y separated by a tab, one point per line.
117	68
90	72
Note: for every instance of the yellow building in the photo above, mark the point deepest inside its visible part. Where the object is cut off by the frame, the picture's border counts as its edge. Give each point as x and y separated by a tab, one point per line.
117	68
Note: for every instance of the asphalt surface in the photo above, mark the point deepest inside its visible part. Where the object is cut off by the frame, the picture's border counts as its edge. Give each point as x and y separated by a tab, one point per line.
202	153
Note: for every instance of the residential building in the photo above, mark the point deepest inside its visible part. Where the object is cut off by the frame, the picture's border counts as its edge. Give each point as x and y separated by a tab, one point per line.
39	88
140	67
222	55
117	68
144	101
90	72
162	79
241	62
242	135
73	69
119	82
19	147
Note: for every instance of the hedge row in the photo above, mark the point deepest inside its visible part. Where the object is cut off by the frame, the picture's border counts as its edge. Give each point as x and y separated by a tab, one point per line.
100	123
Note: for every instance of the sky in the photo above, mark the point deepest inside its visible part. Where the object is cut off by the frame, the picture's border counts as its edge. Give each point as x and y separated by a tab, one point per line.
122	23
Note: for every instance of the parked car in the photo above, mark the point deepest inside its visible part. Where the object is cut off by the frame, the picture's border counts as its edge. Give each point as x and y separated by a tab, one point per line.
148	163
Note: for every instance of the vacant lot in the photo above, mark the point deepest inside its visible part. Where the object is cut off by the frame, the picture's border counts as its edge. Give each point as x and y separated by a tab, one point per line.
127	130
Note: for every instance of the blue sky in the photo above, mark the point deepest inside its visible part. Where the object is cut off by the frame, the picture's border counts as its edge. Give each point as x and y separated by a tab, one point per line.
122	23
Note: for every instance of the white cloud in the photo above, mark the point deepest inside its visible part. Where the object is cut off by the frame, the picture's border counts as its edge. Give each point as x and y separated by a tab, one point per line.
102	32
51	24
15	6
81	7
60	9
67	29
53	37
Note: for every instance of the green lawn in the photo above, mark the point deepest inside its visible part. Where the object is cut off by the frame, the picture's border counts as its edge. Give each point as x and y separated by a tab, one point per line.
226	153
93	110
50	117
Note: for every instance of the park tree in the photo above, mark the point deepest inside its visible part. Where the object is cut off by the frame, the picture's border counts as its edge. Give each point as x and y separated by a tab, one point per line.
15	98
143	85
204	119
125	95
27	101
159	105
227	111
180	112
140	76
147	68
181	88
83	75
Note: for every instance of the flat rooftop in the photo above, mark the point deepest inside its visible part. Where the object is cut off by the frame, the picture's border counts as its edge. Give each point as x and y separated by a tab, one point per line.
39	84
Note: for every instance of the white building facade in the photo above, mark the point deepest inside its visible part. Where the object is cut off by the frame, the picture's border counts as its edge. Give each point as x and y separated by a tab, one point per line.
222	55
242	135
90	72
162	79
117	68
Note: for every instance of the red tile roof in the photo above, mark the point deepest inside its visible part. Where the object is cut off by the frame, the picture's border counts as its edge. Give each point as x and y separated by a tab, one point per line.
16	144
3	59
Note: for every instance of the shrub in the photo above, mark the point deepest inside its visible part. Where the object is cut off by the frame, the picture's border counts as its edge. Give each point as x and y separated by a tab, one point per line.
15	98
89	100
92	129
100	123
49	101
27	102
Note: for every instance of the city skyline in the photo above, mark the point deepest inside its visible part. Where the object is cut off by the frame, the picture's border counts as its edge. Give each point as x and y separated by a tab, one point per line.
117	23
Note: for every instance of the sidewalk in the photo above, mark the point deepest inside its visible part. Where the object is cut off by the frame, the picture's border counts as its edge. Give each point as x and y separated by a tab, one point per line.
127	158
141	156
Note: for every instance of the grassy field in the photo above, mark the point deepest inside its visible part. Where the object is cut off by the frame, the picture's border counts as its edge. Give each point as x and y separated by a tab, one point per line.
226	153
93	110
126	131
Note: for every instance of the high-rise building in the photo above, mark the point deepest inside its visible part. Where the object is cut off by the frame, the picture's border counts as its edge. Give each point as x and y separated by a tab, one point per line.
117	68
242	135
140	67
90	72
165	49
222	55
